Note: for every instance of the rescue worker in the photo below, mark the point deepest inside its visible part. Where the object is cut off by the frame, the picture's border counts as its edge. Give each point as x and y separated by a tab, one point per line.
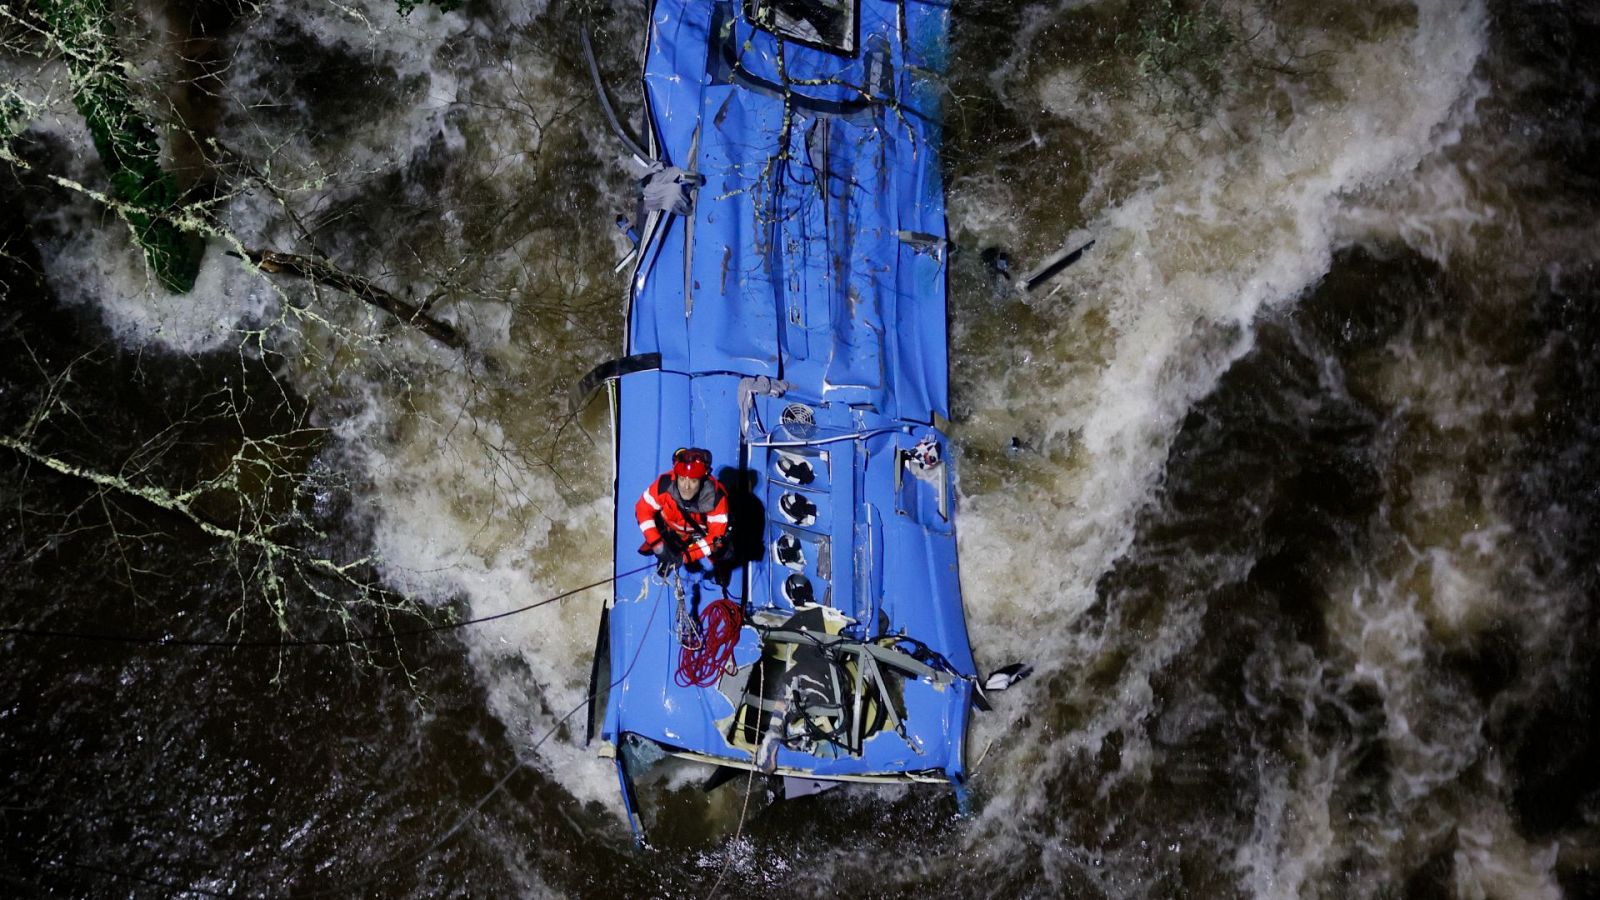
684	513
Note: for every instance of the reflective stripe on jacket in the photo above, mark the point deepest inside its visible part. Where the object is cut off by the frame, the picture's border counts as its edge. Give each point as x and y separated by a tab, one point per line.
699	526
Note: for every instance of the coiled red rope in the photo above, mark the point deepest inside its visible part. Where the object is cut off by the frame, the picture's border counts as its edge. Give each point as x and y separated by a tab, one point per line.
719	626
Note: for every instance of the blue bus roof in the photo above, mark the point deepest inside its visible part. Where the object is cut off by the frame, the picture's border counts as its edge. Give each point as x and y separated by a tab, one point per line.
799	313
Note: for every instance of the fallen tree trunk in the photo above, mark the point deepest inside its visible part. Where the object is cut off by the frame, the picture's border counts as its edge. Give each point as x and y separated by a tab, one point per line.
324	273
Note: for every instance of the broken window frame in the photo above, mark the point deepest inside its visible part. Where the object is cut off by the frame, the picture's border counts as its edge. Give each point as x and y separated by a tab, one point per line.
761	14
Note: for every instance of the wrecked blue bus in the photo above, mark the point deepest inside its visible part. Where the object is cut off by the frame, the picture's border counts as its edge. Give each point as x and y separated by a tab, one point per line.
786	315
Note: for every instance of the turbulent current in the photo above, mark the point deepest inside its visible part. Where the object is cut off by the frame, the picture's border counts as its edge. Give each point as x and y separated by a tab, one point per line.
1289	488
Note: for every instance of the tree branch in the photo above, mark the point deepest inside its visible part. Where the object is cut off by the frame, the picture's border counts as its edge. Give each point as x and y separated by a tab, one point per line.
326	274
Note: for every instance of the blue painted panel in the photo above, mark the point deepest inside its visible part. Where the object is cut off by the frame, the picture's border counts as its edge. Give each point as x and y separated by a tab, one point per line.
797	238
814	253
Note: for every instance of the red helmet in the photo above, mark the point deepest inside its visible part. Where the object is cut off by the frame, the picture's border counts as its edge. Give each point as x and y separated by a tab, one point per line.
691	462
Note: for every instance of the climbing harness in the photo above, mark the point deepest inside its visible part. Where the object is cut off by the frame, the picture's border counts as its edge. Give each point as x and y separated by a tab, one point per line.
684	625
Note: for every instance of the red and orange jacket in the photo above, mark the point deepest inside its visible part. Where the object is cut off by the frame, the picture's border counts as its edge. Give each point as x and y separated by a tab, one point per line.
698	526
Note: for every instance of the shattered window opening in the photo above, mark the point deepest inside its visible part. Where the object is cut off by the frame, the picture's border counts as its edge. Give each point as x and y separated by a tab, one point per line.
825	24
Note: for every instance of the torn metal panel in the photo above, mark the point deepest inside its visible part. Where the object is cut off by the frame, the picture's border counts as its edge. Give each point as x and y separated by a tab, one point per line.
797	308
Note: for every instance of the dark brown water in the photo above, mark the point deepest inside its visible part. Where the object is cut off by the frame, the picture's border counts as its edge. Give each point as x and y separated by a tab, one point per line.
1299	524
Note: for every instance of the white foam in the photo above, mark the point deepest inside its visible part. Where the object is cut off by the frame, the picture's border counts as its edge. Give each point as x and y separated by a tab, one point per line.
1292	834
99	266
1164	304
1442	571
1437	212
1232	219
1492	859
458	509
1238	218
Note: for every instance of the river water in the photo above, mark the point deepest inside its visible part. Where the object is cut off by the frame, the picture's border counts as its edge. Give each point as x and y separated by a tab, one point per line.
1287	488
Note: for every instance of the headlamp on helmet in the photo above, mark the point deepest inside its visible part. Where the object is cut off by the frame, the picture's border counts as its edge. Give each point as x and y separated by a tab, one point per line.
691	462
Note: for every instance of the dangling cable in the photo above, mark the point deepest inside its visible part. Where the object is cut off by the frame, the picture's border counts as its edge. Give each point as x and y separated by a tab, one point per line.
605	100
287	643
352	888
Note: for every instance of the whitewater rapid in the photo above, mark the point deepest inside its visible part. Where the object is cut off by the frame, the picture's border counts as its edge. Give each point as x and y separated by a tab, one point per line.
460	176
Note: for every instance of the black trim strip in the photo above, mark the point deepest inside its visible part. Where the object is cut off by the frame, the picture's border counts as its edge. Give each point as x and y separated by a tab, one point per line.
610	370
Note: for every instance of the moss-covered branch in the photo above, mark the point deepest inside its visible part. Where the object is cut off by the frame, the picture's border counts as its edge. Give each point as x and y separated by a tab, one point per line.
326	274
183	504
279	561
124	138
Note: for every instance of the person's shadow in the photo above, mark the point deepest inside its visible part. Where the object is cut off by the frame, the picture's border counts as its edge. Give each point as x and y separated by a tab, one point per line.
747	516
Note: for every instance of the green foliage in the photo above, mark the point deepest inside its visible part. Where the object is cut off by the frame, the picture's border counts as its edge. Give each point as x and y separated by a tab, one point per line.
13	119
124	138
13	116
1182	44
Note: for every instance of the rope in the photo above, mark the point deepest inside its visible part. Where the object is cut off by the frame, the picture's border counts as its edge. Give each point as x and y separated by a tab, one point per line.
285	643
701	666
749	782
349	888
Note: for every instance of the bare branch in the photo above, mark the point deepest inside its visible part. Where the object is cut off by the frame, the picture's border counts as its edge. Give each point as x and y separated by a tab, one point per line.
326	274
